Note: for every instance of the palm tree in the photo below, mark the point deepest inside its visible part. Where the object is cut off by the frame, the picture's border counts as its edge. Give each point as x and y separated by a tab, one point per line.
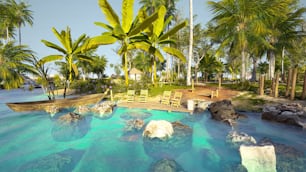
71	52
11	62
151	6
6	22
99	65
155	38
285	29
190	42
123	32
235	22
21	15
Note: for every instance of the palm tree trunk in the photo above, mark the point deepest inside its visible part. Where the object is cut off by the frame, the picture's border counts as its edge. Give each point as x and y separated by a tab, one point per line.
254	70
190	42
196	73
276	85
283	55
272	65
154	73
19	30
126	73
289	78
304	88
294	76
261	85
243	65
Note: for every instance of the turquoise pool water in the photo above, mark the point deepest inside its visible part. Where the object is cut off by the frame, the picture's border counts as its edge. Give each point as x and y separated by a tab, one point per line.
35	141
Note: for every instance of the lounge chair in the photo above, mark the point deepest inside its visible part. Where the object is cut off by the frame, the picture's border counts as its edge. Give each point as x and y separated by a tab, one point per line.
166	98
143	96
176	100
130	95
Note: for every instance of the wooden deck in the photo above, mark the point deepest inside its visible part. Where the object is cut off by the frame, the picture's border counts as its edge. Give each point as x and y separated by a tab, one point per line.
154	106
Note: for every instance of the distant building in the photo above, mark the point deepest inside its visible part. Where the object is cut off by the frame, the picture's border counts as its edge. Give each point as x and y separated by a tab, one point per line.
135	74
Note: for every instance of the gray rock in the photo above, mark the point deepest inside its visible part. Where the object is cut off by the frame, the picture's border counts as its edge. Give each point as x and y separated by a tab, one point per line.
223	111
292	114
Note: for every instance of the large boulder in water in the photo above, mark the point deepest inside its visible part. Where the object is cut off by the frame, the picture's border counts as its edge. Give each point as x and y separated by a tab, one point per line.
179	142
103	110
223	111
288	113
158	129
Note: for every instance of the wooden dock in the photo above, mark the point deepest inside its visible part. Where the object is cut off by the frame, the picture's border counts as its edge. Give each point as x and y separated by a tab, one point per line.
154	106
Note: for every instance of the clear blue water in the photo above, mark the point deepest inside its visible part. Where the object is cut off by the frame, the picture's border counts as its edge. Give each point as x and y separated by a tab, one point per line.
34	141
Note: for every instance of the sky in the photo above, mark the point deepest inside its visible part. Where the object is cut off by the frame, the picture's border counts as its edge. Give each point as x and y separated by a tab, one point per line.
80	16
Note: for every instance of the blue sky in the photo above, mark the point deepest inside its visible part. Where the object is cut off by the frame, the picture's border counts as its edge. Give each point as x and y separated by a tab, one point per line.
80	16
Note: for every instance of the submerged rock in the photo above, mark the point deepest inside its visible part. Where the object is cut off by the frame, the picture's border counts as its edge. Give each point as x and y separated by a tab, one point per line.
70	127
289	113
70	118
133	125
238	139
136	114
166	165
61	161
287	158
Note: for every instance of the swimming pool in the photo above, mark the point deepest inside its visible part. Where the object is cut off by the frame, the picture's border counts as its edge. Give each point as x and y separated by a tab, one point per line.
36	142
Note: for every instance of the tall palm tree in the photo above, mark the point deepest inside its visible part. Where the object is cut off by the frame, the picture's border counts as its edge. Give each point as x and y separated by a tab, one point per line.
190	52
71	52
123	32
21	15
285	29
11	62
6	22
235	22
156	38
151	6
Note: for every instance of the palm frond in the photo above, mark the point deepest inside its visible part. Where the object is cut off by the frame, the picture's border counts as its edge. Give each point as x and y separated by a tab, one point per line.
127	15
175	52
109	13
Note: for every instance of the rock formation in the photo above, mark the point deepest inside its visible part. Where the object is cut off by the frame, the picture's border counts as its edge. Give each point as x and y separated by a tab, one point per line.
223	111
290	113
